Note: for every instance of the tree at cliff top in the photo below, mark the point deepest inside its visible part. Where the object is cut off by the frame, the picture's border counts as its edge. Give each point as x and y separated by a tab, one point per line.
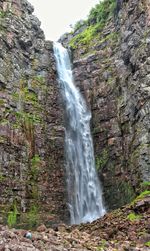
96	20
102	11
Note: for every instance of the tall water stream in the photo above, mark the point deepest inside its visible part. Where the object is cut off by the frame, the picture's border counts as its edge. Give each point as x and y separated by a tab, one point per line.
84	190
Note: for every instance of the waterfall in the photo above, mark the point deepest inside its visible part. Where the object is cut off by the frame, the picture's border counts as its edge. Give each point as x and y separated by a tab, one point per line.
84	190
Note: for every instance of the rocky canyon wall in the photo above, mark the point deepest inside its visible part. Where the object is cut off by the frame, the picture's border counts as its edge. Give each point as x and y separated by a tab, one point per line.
113	72
31	132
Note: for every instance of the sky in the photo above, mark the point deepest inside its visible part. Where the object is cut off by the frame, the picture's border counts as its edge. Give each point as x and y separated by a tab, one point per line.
56	16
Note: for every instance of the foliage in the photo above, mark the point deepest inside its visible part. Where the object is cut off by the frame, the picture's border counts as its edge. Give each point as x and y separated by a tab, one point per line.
145	185
38	80
33	216
102	11
2	178
84	37
4	122
30	96
3	14
126	188
35	163
95	22
26	95
102	245
28	117
102	160
25	119
147	244
133	217
12	216
143	194
2	102
2	139
35	160
28	121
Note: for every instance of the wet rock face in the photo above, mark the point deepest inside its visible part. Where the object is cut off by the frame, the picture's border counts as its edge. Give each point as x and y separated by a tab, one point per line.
113	74
31	132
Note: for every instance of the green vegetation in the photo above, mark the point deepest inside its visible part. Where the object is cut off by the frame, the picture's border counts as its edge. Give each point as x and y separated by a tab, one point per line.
133	217
145	185
4	122
27	122
102	160
2	139
102	245
35	160
33	175
3	14
98	17
2	178
27	117
26	95
12	216
33	216
2	102
84	37
34	193
35	164
124	187
143	194
39	82
147	244
102	11
30	97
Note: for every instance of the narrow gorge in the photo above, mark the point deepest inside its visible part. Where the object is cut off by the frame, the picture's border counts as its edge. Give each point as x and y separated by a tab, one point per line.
48	105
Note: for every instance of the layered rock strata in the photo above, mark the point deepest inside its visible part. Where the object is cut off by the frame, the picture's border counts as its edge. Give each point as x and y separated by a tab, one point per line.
31	131
112	70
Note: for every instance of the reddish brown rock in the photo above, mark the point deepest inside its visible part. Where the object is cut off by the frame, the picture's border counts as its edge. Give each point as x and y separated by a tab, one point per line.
31	121
112	72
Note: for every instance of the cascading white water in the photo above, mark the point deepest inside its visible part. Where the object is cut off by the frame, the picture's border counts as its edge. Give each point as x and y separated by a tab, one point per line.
84	191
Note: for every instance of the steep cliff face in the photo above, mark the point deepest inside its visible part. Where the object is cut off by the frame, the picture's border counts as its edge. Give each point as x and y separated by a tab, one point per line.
112	69
31	132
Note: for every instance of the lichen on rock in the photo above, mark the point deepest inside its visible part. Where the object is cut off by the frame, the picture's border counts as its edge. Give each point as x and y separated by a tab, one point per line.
31	130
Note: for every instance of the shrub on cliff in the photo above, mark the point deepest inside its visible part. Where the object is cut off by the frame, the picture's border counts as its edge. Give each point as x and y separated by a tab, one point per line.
97	18
102	11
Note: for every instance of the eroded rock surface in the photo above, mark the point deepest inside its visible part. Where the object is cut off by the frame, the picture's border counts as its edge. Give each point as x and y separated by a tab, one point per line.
31	128
112	71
